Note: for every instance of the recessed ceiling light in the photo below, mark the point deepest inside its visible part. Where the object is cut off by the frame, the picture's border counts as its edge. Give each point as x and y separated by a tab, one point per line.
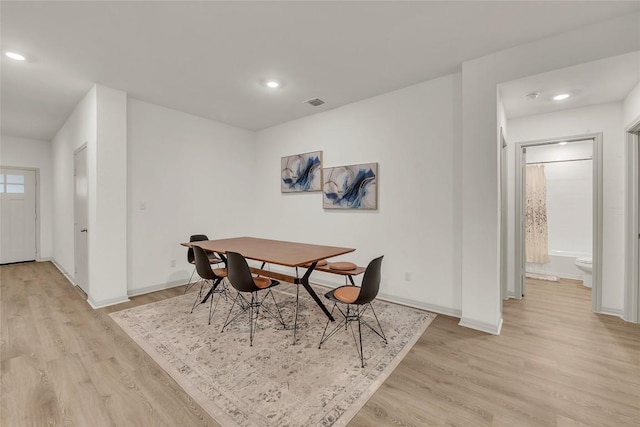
532	95
273	84
561	97
15	55
562	143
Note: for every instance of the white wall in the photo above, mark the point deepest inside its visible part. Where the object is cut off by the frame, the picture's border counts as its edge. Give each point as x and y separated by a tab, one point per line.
608	119
33	153
99	120
108	200
186	175
632	106
80	128
413	134
481	305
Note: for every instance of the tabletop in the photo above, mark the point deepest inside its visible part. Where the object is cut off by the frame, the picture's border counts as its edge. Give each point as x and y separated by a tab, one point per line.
291	254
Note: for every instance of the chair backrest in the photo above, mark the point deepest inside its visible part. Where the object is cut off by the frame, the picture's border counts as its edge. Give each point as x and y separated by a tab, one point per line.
239	274
370	282
194	238
203	266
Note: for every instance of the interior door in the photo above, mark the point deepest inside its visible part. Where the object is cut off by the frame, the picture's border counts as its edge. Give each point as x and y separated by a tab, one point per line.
18	213
81	219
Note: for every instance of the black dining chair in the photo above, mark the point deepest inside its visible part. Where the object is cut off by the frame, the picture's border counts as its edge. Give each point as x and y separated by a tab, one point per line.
213	258
357	301
209	276
240	277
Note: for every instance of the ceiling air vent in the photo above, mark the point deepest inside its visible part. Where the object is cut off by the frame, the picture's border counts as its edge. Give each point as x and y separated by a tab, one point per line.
316	102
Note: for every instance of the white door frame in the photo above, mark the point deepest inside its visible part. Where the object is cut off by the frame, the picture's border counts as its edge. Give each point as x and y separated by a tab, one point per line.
632	232
519	258
504	203
37	191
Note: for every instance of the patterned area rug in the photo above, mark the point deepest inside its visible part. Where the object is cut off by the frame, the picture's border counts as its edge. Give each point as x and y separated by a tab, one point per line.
273	383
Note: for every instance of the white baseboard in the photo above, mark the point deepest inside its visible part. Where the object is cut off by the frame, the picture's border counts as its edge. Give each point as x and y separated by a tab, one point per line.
155	288
478	325
389	298
107	302
447	311
612	312
64	272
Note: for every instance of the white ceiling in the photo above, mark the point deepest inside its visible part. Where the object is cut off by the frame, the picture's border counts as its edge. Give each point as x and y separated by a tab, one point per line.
597	82
208	58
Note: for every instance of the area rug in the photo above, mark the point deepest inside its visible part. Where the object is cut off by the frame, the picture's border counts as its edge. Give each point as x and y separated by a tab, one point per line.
273	383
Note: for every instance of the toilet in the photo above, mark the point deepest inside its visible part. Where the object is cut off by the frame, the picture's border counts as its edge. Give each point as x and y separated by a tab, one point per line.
584	265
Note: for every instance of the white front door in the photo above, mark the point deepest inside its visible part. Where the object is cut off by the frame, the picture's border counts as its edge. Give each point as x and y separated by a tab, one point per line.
18	213
81	219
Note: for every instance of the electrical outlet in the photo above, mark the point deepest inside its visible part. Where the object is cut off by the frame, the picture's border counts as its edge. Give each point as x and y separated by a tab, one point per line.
173	263
407	276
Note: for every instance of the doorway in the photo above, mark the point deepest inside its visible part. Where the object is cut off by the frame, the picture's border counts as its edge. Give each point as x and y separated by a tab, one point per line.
81	219
520	257
18	190
632	273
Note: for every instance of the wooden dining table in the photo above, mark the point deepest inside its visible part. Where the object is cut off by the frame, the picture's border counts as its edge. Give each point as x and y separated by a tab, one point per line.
289	254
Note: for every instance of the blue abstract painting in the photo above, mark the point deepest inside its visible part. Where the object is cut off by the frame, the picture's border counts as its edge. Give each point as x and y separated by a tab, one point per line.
350	187
301	172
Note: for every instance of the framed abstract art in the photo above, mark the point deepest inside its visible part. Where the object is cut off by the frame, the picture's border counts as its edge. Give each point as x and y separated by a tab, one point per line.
350	187
301	172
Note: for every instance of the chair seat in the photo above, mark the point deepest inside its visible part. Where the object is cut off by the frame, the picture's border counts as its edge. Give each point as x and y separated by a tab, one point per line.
220	272
345	294
262	282
342	266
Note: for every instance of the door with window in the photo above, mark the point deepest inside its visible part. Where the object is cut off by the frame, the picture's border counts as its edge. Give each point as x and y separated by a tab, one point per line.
18	215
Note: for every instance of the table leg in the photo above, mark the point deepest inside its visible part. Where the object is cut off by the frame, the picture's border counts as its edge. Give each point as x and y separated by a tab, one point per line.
295	323
305	282
351	279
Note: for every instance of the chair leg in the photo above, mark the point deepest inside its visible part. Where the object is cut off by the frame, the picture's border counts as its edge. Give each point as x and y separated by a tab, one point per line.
212	311
360	336
255	307
351	315
295	323
277	315
281	319
251	327
199	296
227	321
252	307
189	284
325	337
381	334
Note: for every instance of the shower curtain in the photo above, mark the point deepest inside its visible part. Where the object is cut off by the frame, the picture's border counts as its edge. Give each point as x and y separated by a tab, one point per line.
536	235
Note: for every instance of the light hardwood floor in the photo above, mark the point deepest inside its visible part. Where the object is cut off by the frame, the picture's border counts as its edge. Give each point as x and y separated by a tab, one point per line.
555	364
